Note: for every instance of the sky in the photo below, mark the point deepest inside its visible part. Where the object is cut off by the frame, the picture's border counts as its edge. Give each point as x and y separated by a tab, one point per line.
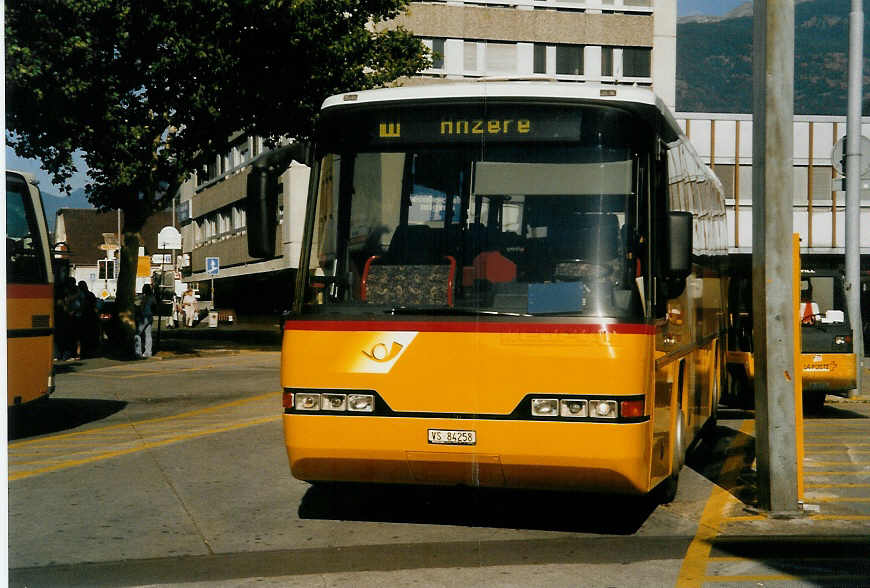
684	8
709	7
32	166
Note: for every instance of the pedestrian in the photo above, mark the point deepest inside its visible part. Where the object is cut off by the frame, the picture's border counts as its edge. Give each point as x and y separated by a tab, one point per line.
89	333
144	322
72	308
188	304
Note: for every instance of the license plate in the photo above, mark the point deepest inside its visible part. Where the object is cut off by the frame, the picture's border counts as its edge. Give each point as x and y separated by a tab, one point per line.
452	437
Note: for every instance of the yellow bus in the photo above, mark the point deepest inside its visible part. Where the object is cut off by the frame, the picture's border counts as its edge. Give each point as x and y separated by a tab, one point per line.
828	359
29	293
504	284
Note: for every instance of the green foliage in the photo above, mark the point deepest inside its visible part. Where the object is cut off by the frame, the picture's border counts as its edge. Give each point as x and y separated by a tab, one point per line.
149	90
714	61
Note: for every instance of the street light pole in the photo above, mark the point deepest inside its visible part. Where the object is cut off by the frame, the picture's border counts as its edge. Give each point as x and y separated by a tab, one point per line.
853	187
772	257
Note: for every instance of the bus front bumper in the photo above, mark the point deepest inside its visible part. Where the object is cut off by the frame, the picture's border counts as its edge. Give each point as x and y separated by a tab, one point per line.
588	456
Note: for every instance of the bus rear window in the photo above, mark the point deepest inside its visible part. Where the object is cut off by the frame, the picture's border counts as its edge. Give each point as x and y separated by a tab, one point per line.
25	263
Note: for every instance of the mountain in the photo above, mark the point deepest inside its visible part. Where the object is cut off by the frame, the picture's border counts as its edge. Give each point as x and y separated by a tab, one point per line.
714	60
52	203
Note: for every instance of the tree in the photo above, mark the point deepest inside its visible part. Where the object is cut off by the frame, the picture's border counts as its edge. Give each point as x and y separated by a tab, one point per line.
149	90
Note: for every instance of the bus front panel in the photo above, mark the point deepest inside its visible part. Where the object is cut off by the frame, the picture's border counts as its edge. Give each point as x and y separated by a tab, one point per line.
467	404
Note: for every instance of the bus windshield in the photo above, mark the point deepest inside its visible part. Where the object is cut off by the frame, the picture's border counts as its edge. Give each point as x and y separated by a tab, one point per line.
499	222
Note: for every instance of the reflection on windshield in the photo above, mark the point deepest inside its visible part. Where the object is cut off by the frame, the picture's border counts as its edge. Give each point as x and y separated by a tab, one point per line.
551	232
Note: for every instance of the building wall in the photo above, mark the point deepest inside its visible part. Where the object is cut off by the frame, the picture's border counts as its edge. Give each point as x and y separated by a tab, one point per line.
602	41
724	141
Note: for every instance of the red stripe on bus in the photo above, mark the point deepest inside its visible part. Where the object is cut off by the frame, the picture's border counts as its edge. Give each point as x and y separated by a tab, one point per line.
470	327
29	291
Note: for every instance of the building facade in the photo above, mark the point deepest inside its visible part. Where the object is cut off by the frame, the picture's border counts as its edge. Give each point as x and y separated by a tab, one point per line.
603	41
724	141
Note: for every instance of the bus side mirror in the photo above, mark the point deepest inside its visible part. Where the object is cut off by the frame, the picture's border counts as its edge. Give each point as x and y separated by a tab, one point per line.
679	252
261	198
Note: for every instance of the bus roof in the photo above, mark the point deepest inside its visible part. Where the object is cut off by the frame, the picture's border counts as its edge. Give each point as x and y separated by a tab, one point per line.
629	97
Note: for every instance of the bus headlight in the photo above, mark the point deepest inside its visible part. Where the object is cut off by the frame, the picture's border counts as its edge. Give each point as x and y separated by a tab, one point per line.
573	408
602	409
841	340
307	401
545	406
360	403
333	401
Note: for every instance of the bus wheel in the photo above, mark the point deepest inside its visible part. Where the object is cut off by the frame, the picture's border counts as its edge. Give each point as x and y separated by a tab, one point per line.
745	393
667	490
814	402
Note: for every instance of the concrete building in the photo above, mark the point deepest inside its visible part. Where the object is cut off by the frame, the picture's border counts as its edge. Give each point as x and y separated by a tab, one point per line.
724	141
605	41
83	233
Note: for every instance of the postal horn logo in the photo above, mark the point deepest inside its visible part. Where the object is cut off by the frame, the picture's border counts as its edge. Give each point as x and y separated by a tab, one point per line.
380	353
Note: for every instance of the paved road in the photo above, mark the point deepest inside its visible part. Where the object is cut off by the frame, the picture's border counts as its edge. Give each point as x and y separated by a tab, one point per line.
173	472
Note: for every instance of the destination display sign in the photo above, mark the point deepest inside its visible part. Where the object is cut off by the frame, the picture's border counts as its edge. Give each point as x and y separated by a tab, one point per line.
452	123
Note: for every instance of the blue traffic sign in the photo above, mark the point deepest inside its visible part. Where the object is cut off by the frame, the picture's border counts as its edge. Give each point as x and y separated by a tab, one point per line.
212	265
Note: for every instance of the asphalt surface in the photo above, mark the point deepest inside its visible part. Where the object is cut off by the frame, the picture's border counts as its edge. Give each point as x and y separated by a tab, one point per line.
171	471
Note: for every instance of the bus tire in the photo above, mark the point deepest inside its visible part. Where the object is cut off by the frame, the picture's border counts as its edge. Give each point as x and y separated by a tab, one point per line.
814	402
745	393
667	490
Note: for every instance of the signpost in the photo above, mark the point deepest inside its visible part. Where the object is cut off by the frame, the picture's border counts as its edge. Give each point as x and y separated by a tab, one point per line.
167	238
212	268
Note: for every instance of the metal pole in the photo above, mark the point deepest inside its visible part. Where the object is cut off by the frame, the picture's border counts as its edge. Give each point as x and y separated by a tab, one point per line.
772	263
853	187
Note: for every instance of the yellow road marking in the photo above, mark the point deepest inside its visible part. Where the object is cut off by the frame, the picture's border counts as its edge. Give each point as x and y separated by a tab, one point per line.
840	473
840	499
786	578
837	451
183	415
144	446
836	517
742	518
840	485
143	374
840	436
693	572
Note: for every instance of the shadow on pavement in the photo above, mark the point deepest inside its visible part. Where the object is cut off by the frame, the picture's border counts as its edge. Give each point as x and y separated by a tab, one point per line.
483	507
710	458
835	411
819	560
52	415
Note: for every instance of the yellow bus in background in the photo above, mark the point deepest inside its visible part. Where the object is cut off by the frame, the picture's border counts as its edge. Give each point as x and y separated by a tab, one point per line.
29	293
504	284
828	358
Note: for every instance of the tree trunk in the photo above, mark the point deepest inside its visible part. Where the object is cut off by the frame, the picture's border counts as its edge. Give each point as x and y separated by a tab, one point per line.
125	321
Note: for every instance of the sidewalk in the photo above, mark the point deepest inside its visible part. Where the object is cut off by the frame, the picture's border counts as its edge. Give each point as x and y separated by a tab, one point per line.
258	332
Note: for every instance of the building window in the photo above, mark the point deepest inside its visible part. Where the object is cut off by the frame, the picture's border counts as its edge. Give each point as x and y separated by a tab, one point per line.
501	58
437	53
469	56
239	219
636	62
436	46
569	60
607	61
540	66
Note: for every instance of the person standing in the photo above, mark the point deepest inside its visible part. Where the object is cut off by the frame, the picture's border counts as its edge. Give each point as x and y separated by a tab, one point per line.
72	305
89	333
188	304
144	323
